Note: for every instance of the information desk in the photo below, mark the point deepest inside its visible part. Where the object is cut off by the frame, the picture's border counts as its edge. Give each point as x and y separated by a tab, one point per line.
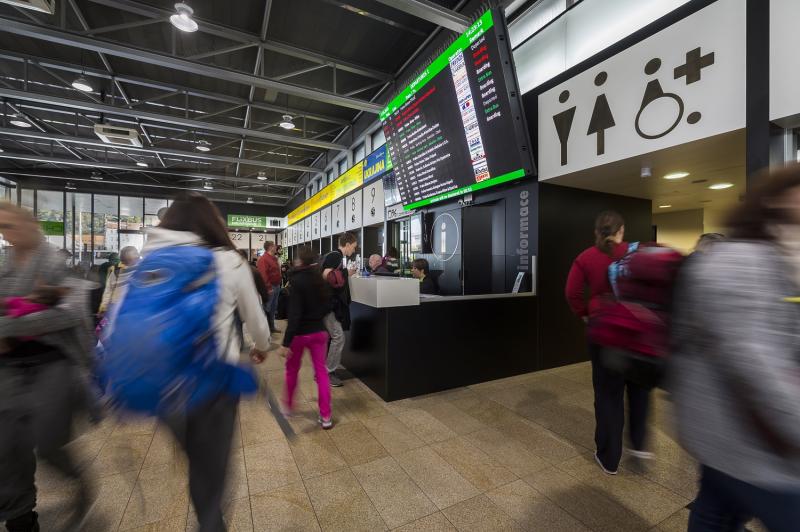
441	343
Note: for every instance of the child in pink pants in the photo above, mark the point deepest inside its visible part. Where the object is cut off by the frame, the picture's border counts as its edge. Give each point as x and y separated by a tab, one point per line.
317	345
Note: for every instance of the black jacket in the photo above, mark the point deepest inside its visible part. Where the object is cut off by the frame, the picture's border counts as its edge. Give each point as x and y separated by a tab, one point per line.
308	303
428	286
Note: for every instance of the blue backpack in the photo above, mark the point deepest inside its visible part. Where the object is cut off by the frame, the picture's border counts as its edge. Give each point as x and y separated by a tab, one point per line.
159	352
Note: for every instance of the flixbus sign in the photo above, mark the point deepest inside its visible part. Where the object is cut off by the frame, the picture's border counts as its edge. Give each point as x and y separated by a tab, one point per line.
247	221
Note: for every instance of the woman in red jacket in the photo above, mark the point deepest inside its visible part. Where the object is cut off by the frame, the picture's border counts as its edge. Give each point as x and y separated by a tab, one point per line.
590	270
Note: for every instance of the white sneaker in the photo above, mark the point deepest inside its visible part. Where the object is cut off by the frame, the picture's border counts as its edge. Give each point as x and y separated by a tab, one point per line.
606	471
326	423
641	455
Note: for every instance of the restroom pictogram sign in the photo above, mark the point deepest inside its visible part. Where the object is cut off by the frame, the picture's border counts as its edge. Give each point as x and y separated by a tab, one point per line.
679	85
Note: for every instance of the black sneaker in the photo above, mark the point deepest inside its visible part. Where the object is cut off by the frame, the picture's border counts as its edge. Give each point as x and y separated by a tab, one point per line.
336	382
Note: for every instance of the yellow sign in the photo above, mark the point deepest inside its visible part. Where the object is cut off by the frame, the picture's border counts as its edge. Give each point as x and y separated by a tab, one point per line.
345	183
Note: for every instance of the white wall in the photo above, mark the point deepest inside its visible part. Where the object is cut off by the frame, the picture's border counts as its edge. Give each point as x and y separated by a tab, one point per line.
784	61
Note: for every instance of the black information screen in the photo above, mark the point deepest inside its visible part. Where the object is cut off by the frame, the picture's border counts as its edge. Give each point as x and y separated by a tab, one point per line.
457	128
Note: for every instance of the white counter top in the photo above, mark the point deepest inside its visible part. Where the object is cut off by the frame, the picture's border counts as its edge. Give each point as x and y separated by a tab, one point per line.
381	292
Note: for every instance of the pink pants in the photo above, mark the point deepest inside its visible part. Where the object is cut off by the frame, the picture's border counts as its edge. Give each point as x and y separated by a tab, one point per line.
317	344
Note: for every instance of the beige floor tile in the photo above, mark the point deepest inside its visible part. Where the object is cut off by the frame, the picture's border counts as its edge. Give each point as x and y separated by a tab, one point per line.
485	410
570	422
135	425
237	515
432	523
164	449
392	434
315	454
437	478
356	443
480	514
456	419
269	465
508	451
677	522
111	496
396	497
427	427
541	441
161	492
285	508
121	453
257	424
596	510
533	510
682	482
481	470
649	500
173	524
236	478
341	504
360	404
580	373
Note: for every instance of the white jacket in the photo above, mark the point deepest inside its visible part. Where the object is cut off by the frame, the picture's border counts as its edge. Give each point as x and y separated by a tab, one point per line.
238	292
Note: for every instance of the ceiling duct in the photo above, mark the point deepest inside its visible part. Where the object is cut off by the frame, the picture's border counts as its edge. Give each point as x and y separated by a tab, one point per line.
121	136
44	6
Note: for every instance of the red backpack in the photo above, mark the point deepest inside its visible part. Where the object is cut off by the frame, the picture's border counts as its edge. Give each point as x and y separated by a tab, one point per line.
634	329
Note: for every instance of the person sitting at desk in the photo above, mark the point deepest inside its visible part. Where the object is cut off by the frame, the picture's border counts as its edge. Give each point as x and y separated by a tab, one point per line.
377	265
420	270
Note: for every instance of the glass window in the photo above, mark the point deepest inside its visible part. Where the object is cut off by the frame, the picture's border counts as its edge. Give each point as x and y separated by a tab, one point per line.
105	228
50	213
343	166
331	175
27	199
378	139
80	227
151	208
131	222
359	153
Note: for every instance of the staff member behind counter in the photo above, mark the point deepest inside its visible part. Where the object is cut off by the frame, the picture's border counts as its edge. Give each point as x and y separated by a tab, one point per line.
420	270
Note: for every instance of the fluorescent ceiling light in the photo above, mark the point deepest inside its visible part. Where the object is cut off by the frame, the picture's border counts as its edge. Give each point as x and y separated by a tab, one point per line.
208	186
69	186
1	150
249	200
203	145
287	123
720	186
262	176
96	176
141	164
676	175
82	84
182	19
664	206
18	121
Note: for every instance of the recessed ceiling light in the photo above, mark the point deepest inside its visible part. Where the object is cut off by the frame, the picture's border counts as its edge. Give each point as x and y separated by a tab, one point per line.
664	206
720	186
82	84
141	164
203	145
262	176
287	123
208	186
182	19
676	175
249	200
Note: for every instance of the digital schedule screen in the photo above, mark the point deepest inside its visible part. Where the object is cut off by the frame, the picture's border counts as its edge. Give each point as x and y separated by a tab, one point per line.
459	127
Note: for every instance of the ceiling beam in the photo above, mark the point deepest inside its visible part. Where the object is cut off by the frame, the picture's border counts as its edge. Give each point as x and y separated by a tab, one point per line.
199	156
65	38
168	119
427	10
211	28
76	69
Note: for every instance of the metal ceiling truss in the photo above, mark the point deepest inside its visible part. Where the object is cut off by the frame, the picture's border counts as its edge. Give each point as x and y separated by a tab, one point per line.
56	36
432	12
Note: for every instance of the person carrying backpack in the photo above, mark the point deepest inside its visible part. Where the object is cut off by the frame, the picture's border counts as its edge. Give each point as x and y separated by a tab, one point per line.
173	345
338	319
591	268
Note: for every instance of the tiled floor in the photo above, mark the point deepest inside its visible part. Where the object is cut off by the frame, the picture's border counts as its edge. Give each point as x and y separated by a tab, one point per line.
513	454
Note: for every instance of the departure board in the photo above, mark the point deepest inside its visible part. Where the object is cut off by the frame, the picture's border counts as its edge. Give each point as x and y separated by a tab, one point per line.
459	127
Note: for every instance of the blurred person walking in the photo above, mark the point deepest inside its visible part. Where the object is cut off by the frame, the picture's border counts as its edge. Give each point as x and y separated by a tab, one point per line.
117	276
308	306
590	269
337	275
44	362
736	362
271	273
206	431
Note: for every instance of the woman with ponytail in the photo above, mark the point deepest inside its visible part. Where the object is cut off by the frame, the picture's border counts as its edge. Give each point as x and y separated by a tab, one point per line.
590	271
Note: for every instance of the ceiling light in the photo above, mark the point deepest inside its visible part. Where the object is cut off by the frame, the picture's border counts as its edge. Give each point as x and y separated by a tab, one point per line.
287	122
249	200
96	176
203	145
664	206
208	186
69	186
262	176
141	164
720	186
676	175
1	150
82	84
17	120
182	19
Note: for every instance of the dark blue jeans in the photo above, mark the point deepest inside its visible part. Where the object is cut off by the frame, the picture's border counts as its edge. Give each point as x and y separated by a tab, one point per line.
726	504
